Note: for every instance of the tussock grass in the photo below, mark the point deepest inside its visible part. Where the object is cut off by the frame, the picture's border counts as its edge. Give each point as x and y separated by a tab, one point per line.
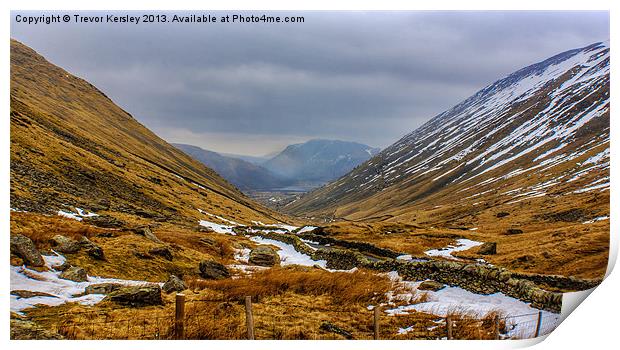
342	287
222	246
41	228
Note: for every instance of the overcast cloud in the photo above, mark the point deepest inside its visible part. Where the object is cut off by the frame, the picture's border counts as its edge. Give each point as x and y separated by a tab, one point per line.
254	88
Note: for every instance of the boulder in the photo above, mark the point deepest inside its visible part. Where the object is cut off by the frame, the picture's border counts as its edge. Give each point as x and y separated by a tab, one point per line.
64	244
147	233
501	214
102	288
24	248
431	285
174	284
210	269
137	295
264	256
164	252
62	267
95	251
514	231
74	273
488	248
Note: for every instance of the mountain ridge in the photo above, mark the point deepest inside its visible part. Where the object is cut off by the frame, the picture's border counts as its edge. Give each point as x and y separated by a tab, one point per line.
72	146
319	160
508	118
243	174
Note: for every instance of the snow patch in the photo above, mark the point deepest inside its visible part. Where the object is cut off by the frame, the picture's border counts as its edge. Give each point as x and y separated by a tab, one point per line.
461	245
63	291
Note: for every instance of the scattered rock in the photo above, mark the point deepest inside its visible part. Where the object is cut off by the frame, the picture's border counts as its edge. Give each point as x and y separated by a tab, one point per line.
105	221
488	248
28	330
210	269
501	214
146	232
74	273
95	251
137	295
102	288
64	244
264	256
571	215
431	285
174	284
514	231
30	294
332	328
24	248
164	252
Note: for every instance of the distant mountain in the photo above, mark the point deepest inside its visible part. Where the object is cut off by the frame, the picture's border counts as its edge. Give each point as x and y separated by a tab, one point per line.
256	160
538	138
243	174
319	161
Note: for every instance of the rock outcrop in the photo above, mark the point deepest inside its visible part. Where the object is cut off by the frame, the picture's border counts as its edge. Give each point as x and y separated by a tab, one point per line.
213	270
24	248
75	274
431	285
488	248
264	256
147	233
65	245
102	288
137	296
174	284
164	252
92	249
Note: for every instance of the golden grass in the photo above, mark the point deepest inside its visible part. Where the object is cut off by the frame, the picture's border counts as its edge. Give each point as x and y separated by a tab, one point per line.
223	246
545	246
284	316
341	287
40	228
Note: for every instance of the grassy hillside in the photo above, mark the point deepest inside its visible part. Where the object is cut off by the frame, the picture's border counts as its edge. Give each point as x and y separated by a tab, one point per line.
71	146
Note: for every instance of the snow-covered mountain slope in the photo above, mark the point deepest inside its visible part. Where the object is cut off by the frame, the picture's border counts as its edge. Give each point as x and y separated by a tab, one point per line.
542	130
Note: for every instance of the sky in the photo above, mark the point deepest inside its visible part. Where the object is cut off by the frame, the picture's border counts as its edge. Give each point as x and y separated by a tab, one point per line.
254	88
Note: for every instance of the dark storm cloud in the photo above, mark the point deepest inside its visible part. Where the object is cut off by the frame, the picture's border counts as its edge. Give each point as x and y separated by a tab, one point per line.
250	88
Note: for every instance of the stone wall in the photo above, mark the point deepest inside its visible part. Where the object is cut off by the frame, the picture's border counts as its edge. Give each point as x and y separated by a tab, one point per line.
360	246
476	278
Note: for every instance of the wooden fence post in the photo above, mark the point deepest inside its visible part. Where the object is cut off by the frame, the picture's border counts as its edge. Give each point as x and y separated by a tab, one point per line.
449	327
496	330
249	320
377	311
179	317
538	324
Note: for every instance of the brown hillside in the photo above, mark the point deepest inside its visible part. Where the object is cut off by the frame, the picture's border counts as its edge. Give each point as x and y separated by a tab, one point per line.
71	146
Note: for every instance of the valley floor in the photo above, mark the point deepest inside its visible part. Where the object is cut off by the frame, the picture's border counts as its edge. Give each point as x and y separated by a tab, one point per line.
302	297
